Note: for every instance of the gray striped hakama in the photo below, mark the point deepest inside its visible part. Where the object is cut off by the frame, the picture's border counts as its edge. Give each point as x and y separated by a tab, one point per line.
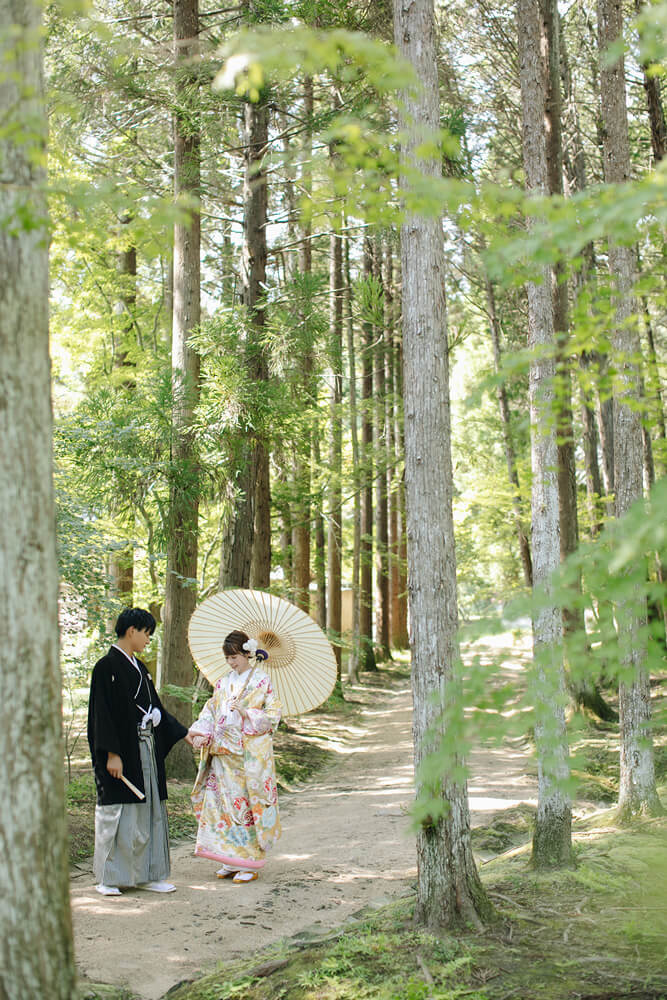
132	839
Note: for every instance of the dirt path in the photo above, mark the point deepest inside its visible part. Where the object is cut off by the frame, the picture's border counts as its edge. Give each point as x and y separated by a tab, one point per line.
346	844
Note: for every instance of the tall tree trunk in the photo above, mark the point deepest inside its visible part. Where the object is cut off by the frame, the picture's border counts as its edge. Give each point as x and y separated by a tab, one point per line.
335	539
124	310
302	573
567	483
590	446
583	690
284	509
180	587
260	566
366	548
255	202
381	454
402	638
637	791
391	401
605	421
449	891
295	515
252	484
605	399
121	563
354	657
576	180
36	952
239	530
320	560
552	837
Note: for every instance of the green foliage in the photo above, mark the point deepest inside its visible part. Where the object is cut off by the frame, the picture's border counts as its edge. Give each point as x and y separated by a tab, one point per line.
561	228
566	226
651	25
111	99
614	572
487	555
193	695
252	57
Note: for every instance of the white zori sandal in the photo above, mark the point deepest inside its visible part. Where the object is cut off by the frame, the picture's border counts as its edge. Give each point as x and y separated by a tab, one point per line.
157	886
107	890
244	877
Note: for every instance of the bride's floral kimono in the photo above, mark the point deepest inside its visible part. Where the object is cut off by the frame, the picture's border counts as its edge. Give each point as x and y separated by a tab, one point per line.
235	796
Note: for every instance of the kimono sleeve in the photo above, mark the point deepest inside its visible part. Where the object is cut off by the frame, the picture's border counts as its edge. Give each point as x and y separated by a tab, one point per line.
103	735
264	719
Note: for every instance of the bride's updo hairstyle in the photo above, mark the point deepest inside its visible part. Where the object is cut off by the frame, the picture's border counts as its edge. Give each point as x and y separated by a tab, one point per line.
234	643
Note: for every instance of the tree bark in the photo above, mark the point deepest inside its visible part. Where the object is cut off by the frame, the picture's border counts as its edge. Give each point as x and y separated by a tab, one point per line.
591	464
252	484
449	891
255	202
576	180
637	790
583	690
320	542
36	952
552	837
366	549
367	652
567	483
380	452
401	637
260	566
354	657
393	483
605	400
302	528
335	537
284	509
239	531
605	421
301	574
182	537
121	562
296	544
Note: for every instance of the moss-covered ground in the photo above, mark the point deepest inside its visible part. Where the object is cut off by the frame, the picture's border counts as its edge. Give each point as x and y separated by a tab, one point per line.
593	932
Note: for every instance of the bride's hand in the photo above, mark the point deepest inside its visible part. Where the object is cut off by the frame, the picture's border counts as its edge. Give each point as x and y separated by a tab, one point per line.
199	740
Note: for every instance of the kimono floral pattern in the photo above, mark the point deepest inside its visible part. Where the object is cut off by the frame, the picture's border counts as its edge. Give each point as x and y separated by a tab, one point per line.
235	796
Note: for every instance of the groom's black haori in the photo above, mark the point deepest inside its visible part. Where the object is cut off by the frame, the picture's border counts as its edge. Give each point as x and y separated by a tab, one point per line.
116	692
130	733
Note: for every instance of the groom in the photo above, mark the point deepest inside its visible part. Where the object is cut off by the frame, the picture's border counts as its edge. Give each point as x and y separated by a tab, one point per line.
130	734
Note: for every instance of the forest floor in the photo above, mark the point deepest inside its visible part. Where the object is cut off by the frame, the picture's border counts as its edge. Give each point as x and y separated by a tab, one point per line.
330	916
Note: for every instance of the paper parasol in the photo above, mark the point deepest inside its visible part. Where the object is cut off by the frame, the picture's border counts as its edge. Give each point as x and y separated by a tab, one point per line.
301	663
